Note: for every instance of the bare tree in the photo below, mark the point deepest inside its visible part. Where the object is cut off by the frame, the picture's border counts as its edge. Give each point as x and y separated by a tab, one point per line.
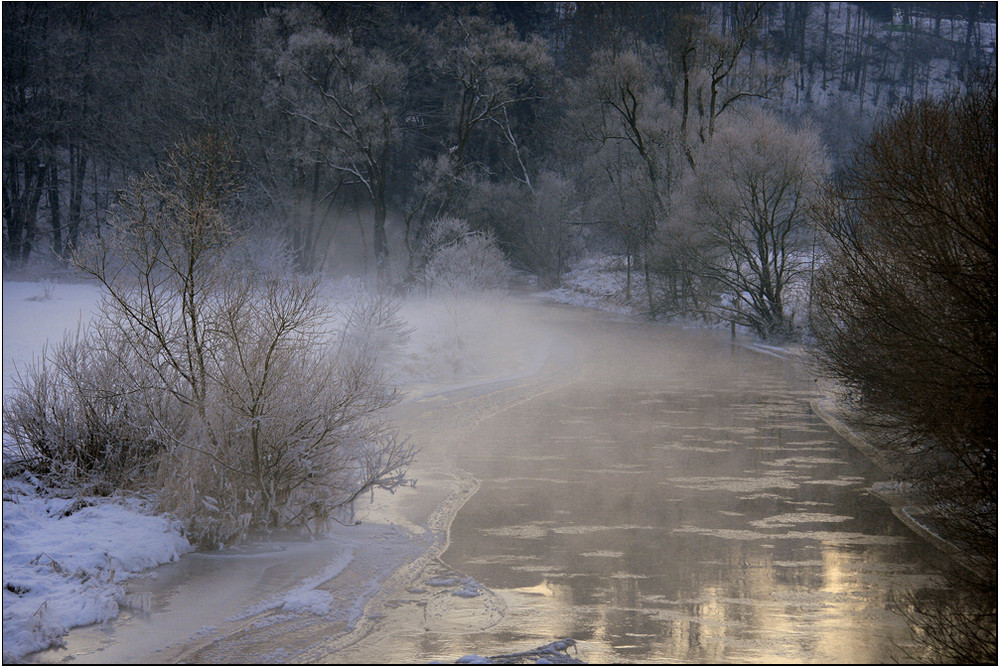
726	72
908	303
751	198
615	182
908	328
536	226
621	105
467	274
490	72
30	125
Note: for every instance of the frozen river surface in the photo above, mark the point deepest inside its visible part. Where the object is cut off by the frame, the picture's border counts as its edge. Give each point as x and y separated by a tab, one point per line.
657	494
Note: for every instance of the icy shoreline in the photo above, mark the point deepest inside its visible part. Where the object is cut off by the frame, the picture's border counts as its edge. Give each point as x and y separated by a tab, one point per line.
66	560
67	556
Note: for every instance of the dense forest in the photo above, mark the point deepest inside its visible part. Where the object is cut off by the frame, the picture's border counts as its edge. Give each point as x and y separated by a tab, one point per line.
634	129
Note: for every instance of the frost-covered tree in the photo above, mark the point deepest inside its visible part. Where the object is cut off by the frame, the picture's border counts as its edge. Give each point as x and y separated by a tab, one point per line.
618	200
255	416
535	226
490	70
467	274
727	78
620	105
489	77
462	262
348	97
750	201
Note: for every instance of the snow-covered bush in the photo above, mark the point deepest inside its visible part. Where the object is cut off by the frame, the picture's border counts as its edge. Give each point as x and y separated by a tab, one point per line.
260	418
292	433
463	262
76	412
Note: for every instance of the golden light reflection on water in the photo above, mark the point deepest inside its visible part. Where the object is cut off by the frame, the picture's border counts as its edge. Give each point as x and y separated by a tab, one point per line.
770	613
760	617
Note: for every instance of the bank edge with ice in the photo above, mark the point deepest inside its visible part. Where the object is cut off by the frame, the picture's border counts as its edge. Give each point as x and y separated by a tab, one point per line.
66	559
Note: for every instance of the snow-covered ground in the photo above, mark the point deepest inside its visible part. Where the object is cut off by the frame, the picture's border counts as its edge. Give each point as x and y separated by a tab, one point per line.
598	282
66	559
37	311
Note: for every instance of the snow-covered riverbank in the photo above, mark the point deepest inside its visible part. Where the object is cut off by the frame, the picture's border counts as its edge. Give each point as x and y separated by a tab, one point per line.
66	559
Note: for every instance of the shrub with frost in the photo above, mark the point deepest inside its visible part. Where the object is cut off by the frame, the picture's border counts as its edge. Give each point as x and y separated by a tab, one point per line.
75	414
463	262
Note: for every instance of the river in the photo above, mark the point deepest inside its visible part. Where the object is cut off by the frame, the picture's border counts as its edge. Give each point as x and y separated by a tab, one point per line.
657	494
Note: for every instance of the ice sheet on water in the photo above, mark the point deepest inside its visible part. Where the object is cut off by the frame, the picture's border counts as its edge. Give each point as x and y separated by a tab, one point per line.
307	597
556	653
464	587
791	519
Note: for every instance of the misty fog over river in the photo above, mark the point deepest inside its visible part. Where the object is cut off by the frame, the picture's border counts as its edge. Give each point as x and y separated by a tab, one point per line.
656	493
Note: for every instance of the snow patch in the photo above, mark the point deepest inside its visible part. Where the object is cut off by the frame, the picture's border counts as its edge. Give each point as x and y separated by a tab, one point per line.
36	312
313	601
64	569
597	282
307	597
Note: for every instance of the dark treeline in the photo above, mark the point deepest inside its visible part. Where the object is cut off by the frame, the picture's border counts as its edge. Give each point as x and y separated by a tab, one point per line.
556	127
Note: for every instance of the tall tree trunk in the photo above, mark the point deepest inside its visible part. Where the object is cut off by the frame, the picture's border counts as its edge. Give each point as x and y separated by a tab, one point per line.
310	250
826	35
54	217
11	215
686	105
844	71
970	17
381	242
802	17
628	277
362	235
649	283
31	214
17	197
24	207
77	173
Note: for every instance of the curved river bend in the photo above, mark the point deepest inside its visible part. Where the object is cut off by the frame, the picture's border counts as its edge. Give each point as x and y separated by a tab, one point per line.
657	494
